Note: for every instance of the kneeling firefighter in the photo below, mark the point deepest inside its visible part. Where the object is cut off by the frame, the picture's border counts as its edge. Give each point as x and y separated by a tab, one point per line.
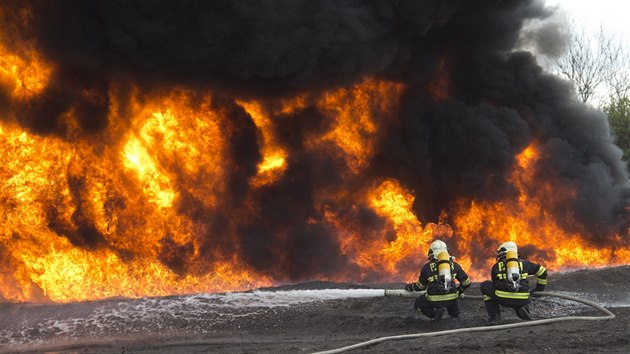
438	278
509	285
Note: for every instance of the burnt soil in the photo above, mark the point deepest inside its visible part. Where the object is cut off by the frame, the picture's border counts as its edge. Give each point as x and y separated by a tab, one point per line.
134	326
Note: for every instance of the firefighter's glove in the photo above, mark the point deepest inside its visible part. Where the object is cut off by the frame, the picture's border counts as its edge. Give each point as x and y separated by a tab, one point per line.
412	287
462	296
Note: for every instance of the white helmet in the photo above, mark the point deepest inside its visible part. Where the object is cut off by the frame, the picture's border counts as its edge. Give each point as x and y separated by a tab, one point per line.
436	247
507	246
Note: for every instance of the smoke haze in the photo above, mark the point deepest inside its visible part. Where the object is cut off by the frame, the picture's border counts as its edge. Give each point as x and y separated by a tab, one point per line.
471	103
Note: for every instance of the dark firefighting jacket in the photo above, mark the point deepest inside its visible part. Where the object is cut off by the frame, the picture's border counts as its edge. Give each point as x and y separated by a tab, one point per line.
429	280
527	268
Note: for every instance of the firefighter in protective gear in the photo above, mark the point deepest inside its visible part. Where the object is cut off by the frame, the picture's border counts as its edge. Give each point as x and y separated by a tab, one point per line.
509	285
438	278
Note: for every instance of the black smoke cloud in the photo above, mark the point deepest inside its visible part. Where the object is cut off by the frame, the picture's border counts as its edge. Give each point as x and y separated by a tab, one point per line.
499	101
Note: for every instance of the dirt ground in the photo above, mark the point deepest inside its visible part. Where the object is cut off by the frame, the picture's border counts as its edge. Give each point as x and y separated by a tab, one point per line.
201	324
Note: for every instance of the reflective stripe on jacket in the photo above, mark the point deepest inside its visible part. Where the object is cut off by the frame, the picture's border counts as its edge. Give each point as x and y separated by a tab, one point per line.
527	268
428	280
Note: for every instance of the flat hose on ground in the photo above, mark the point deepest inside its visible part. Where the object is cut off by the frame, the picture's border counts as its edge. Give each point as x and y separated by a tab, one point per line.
608	316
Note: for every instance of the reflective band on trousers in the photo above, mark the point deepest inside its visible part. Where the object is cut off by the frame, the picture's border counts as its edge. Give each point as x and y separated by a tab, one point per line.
444	297
510	295
541	281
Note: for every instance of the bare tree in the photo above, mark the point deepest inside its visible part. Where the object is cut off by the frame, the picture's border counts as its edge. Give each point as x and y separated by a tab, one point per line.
619	82
591	61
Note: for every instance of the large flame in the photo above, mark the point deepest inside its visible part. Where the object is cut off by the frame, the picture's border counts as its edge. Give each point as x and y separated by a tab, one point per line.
527	220
91	218
63	201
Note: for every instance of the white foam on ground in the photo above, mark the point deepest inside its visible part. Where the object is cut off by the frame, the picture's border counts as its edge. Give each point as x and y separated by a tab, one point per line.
286	298
202	310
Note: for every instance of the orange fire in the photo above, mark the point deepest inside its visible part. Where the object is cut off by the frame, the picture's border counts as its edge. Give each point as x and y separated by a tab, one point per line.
273	163
356	111
25	75
110	215
399	255
125	195
527	220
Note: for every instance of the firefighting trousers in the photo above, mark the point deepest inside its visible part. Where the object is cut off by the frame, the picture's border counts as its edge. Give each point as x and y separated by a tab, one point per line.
428	307
492	301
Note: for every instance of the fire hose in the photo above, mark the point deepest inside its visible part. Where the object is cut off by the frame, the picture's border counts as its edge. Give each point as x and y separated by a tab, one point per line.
403	293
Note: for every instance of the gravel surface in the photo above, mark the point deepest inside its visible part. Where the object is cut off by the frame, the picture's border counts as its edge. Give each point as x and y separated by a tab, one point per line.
306	318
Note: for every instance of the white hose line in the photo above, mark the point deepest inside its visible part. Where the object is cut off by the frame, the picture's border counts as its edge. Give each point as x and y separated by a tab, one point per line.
609	316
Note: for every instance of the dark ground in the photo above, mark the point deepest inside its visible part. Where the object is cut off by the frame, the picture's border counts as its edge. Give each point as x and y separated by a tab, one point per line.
208	323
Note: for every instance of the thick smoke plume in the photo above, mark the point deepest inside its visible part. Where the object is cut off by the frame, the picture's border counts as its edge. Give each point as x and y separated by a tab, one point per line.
461	145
